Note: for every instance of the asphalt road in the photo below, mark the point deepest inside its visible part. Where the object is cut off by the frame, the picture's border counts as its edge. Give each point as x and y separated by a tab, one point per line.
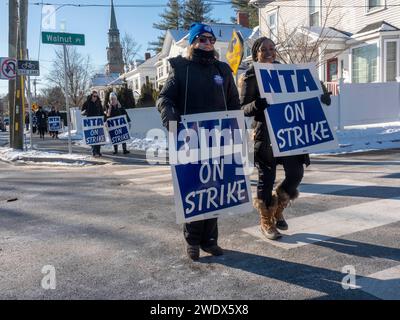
109	232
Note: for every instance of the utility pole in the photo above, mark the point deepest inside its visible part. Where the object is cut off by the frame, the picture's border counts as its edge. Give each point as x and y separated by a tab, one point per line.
12	53
19	115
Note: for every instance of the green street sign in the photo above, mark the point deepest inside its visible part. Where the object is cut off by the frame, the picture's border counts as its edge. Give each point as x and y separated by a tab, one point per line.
71	39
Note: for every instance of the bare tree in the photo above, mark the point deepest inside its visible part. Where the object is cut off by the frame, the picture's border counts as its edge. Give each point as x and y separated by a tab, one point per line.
130	49
301	44
79	71
53	96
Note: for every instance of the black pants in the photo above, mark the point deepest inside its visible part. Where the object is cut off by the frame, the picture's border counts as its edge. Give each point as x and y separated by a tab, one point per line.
294	172
203	233
96	150
123	147
42	131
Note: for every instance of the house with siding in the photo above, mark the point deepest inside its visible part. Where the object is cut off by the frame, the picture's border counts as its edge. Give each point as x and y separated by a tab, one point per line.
358	40
176	43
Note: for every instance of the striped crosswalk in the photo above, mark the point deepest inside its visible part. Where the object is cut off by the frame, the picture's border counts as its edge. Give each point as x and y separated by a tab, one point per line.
317	226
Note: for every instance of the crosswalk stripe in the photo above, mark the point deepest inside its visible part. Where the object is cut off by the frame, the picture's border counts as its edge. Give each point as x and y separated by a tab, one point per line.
331	186
321	226
141	170
384	284
149	179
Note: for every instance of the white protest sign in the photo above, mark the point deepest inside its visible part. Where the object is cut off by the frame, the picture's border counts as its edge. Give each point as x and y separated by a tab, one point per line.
296	121
118	129
54	123
208	164
93	130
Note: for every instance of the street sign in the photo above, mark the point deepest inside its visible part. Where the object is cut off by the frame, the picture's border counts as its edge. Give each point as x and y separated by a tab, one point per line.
8	68
235	51
28	68
70	39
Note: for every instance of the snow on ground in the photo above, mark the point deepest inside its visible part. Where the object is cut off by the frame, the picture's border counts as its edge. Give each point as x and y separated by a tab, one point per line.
9	154
351	139
367	137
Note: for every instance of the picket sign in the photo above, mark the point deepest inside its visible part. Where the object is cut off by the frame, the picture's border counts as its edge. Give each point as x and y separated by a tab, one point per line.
296	121
54	123
118	129
93	130
208	164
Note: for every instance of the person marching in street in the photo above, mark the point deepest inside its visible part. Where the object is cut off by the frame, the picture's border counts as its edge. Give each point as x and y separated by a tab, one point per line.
92	107
115	109
41	122
54	113
196	84
270	205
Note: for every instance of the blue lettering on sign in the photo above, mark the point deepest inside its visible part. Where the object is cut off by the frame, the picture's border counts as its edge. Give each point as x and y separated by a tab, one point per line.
94	136
303	79
299	124
210	186
93	122
228	125
116	122
119	135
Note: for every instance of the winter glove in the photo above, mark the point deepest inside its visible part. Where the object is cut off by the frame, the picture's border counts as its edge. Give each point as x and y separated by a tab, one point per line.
326	98
169	114
261	104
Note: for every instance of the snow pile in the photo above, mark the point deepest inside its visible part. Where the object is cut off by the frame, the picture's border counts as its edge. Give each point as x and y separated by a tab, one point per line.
9	154
367	137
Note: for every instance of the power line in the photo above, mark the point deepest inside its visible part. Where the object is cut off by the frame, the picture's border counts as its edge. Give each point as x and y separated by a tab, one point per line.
212	2
83	5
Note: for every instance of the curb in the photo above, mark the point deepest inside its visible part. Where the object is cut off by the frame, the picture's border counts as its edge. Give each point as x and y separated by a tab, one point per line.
47	160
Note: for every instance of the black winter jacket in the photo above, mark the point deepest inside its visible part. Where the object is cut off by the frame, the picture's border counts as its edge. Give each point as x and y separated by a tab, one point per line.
41	117
92	109
262	146
117	111
204	90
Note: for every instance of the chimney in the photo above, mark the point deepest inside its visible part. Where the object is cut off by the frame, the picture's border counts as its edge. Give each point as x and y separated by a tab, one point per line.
147	55
243	19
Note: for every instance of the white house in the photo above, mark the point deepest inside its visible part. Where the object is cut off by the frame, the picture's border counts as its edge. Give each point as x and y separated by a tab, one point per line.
361	38
140	74
176	43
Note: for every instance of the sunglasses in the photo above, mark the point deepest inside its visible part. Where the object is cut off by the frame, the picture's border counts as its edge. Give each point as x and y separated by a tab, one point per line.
204	39
94	96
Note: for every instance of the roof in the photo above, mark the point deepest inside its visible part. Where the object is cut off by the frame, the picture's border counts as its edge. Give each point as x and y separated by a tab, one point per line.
378	26
102	80
223	31
178	34
325	33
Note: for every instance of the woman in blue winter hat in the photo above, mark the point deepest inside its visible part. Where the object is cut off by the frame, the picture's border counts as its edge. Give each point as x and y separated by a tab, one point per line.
198	83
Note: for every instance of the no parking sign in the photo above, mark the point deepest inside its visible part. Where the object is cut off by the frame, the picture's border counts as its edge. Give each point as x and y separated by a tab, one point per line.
8	68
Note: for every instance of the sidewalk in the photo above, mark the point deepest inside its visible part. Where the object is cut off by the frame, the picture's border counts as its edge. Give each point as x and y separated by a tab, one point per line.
56	151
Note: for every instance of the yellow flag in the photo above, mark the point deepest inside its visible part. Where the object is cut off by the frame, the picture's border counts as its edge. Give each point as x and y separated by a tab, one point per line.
235	52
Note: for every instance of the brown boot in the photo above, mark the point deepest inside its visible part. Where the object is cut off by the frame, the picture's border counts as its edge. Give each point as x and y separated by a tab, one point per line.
283	201
267	218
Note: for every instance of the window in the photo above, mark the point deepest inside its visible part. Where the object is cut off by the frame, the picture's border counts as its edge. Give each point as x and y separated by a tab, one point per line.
375	5
160	72
314	12
273	25
391	63
364	64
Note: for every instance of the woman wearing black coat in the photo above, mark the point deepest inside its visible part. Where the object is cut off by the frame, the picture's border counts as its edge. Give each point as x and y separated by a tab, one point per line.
197	84
92	107
115	109
270	205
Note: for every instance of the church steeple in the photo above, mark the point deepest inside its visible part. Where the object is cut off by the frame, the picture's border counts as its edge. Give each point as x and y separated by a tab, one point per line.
113	20
114	51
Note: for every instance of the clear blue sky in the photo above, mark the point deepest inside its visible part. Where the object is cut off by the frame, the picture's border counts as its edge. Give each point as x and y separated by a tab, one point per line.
94	23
